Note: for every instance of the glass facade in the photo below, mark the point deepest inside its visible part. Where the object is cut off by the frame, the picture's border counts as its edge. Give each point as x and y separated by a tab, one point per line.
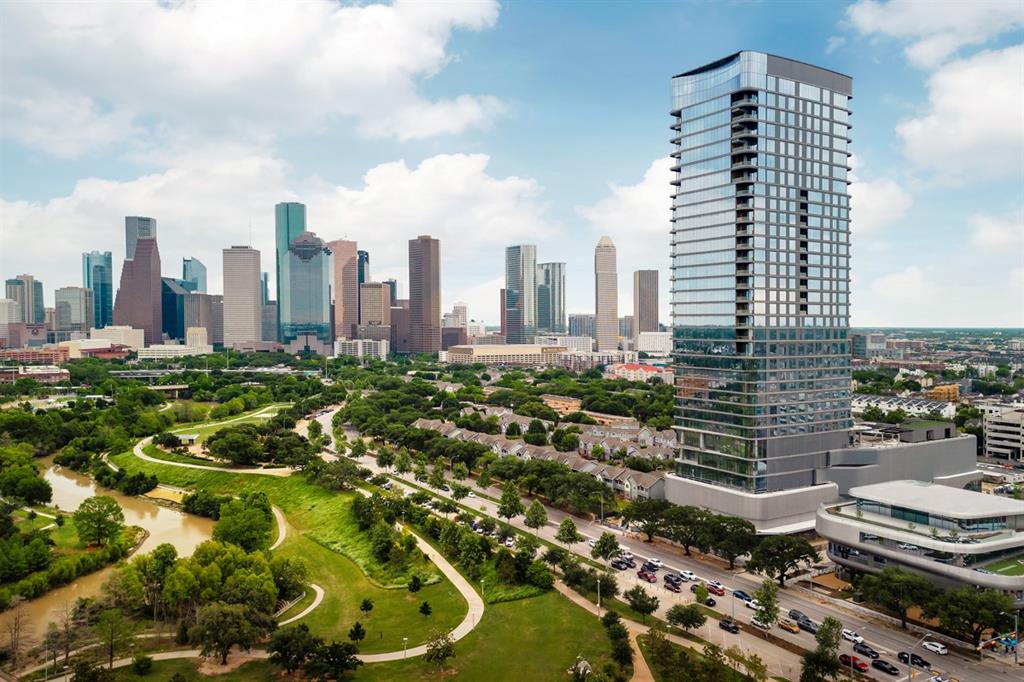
551	297
193	275
308	311
760	270
98	275
520	293
289	223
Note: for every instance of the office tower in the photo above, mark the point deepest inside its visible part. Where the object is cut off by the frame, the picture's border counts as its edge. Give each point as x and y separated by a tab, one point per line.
364	270
172	301
424	295
346	287
306	317
28	293
645	302
217	318
520	293
760	281
374	311
193	275
502	298
264	287
393	287
551	297
98	275
136	228
138	303
268	327
51	319
243	308
206	311
626	326
581	324
289	223
74	308
8	317
400	326
457	317
606	296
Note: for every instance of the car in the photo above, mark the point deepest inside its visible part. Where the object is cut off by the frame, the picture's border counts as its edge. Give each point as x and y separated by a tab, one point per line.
471	494
788	625
716	589
446	489
630	563
729	626
852	636
753	604
618	565
648	566
710	601
656	562
796	615
885	666
740	594
592	542
627	555
672	587
907	546
673	578
865	649
510	542
716	584
756	621
649	577
808	625
853	663
913	659
936	647
688	575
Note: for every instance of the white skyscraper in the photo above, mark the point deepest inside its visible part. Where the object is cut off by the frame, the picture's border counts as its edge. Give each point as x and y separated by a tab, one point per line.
242	296
606	296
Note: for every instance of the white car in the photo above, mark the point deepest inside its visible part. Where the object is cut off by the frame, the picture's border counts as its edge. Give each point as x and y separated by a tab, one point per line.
657	562
715	583
907	546
936	648
627	555
758	623
752	604
471	494
852	636
688	575
510	542
592	543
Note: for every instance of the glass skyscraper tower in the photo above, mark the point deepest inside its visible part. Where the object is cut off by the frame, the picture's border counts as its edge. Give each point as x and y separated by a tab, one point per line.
98	275
521	293
760	271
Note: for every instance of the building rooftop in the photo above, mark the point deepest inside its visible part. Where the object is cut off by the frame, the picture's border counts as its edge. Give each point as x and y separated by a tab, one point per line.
939	500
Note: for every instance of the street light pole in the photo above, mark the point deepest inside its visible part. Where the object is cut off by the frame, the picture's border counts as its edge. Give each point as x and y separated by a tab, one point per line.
405	644
599	597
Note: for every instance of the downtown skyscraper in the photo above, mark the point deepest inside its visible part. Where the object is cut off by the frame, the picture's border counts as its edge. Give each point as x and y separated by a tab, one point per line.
760	273
520	293
551	297
424	295
645	302
98	275
139	303
193	275
346	287
606	296
243	303
136	228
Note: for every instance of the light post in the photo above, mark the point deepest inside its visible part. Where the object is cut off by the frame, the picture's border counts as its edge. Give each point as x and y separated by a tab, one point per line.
910	658
405	644
1016	634
599	597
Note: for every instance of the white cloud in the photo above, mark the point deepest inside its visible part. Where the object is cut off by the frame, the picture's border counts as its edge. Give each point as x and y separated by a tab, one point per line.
247	70
935	31
875	203
834	43
208	201
998	233
972	125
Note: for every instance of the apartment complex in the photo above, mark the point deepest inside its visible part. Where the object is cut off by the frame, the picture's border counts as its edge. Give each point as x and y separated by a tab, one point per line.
1004	435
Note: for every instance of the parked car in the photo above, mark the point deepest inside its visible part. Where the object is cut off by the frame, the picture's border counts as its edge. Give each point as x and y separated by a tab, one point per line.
756	621
754	604
627	555
648	566
471	494
717	590
673	578
852	636
446	489
865	649
673	587
710	601
729	626
630	563
913	659
936	648
796	615
907	546
740	594
688	575
885	666
808	625
788	625
618	565
510	542
853	663
656	562
649	577
592	542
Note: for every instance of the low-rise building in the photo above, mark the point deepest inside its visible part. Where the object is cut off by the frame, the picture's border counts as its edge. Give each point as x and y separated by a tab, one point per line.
44	374
195	344
914	407
654	344
581	362
121	335
638	372
946	392
362	348
953	536
519	354
562	404
1004	435
575	344
38	355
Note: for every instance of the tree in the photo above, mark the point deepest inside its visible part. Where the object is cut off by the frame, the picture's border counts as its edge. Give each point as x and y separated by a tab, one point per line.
688	526
436	478
290	576
536	517
968	612
425	608
440	648
685	616
641	601
896	590
648	514
114	632
606	547
221	626
767	597
822	664
460	491
99	519
732	537
513	430
18	627
510	506
366	606
357	632
242	524
385	458
291	647
460	472
333	661
567	533
415	584
776	555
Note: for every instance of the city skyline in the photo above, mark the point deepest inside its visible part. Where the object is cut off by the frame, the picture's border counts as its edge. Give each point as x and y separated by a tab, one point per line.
923	213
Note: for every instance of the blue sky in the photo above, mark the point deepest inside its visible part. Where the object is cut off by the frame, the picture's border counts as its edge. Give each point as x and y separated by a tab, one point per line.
490	125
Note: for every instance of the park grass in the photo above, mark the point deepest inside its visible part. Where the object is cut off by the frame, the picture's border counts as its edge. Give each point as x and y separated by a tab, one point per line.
641	641
321	515
157	452
1008	566
206	429
253	671
27	525
528	639
395	612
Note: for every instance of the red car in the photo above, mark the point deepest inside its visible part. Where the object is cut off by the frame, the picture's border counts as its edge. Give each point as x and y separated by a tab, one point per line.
649	577
672	587
716	590
852	662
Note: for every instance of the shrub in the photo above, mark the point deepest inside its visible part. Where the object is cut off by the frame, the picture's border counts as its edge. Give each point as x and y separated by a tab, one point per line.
141	665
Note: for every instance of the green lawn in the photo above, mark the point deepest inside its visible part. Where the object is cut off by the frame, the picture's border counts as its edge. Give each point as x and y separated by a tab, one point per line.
207	429
1008	566
159	453
27	525
189	668
734	676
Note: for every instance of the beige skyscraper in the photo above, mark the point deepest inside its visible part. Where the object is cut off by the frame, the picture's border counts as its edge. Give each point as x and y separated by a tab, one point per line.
645	301
243	317
606	296
375	307
424	295
346	287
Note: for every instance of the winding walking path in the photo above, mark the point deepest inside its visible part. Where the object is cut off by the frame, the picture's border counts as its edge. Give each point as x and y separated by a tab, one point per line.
305	612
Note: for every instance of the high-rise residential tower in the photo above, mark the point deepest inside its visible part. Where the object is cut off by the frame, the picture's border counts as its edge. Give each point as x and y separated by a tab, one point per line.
138	303
193	275
136	228
424	295
760	272
606	296
243	305
27	292
289	223
581	324
551	297
74	308
346	287
520	293
645	302
98	275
